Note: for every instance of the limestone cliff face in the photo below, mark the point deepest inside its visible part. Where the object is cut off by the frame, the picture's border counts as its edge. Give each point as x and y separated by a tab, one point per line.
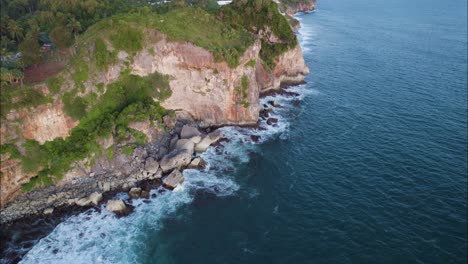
290	69
201	87
209	91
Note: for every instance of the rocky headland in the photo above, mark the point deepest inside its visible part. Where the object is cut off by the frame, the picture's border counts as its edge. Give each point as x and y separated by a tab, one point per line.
198	91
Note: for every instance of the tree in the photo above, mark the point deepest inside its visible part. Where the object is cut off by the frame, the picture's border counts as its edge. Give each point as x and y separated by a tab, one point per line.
15	31
30	50
61	36
74	26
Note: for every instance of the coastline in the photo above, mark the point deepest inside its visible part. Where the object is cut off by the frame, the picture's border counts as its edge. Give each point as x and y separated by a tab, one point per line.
64	211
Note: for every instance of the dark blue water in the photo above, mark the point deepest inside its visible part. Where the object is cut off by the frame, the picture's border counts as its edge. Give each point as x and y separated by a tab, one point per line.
368	165
374	169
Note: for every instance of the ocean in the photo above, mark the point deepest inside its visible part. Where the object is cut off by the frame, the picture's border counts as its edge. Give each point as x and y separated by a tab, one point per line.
368	164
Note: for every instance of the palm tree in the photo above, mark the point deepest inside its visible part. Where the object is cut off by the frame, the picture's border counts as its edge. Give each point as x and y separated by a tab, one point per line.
15	30
74	25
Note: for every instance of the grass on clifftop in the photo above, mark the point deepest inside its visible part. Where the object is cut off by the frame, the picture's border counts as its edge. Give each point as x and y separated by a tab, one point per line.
195	25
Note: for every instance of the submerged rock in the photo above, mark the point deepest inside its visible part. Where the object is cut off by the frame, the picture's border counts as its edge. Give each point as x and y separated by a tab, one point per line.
173	179
272	121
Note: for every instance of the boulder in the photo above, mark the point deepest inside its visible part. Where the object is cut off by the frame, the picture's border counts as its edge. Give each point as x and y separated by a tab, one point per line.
197	163
173	179
151	165
208	140
186	144
95	198
134	192
272	121
85	201
173	142
189	132
157	175
49	211
196	139
116	206
144	194
175	159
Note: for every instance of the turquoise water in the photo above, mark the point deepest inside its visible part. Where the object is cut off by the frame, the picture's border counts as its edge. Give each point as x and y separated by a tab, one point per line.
367	165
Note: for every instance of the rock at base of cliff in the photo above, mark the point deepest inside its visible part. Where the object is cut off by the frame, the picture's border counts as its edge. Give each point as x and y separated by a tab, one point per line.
189	132
48	211
185	144
175	159
118	207
134	192
208	140
93	198
272	121
197	163
151	165
173	179
274	103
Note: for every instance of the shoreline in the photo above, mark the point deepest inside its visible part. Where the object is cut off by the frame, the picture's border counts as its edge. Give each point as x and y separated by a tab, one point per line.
61	213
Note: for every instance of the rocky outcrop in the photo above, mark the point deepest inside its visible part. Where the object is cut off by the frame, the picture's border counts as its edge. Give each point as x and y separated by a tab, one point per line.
306	7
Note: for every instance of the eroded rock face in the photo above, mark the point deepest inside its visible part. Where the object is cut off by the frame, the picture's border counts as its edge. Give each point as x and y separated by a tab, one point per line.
209	91
46	122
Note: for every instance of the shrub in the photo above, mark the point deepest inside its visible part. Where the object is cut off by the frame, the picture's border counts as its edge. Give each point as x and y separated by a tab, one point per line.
54	84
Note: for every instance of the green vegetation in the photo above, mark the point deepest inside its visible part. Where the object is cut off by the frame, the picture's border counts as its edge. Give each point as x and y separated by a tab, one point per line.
19	97
80	75
102	57
74	106
127	38
110	152
11	149
243	91
251	63
54	84
183	25
41	180
256	15
126	100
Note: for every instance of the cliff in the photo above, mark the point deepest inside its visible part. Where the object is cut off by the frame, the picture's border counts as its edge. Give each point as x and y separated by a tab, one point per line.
202	87
292	7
